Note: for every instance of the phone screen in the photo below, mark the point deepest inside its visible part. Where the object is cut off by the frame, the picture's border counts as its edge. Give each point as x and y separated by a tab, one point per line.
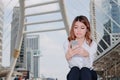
73	43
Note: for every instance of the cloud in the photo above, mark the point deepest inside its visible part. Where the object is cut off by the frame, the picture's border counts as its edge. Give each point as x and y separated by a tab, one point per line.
52	61
98	2
52	41
47	42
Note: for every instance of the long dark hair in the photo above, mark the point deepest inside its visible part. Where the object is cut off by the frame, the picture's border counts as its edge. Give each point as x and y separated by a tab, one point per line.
85	21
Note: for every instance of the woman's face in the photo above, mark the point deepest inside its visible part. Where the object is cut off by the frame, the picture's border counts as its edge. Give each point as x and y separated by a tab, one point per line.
80	30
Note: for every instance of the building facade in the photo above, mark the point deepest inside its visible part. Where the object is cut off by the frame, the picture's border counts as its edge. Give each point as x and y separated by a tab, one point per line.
107	27
14	31
115	23
115	11
1	30
106	22
33	55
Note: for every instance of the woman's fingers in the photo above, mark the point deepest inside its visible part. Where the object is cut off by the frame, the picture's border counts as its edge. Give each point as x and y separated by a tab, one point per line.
75	47
76	51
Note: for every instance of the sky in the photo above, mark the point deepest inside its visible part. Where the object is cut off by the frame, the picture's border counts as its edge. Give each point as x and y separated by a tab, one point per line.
52	60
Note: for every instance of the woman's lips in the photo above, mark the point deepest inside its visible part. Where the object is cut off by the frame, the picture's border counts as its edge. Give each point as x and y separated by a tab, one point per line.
78	33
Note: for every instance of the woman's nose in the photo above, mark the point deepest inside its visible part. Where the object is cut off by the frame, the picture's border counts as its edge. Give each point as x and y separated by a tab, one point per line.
79	29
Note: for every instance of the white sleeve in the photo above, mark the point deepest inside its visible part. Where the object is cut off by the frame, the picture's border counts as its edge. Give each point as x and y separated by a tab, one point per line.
65	46
93	49
92	52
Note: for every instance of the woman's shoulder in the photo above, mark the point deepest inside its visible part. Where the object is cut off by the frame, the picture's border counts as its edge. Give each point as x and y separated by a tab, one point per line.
93	43
66	45
66	42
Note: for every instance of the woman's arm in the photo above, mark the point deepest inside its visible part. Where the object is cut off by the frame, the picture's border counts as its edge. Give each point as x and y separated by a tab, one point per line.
76	50
68	55
81	51
70	52
88	51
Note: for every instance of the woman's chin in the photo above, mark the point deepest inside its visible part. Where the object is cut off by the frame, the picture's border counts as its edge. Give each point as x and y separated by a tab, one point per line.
79	37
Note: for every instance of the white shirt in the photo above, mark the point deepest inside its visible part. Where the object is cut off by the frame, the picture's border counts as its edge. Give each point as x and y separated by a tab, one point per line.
80	61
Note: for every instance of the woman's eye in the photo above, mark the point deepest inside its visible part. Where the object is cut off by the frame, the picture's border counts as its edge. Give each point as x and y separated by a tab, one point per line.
75	27
82	27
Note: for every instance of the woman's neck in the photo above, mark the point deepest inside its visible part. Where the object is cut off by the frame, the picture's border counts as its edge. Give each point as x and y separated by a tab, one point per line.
80	40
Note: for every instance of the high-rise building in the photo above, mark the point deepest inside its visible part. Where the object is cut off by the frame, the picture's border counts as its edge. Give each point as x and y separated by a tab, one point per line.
115	23
107	22
115	11
99	17
112	25
33	55
108	32
14	31
1	30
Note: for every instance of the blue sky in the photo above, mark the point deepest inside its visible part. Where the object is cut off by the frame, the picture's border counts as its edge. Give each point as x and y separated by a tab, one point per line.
53	62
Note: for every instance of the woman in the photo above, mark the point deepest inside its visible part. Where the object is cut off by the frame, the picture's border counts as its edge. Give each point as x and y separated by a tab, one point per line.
80	51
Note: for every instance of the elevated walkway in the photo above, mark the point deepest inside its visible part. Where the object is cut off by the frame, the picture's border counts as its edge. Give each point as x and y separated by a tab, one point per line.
107	63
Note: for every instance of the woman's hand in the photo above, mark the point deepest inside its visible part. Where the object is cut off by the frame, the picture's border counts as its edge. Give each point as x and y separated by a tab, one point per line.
76	50
80	51
71	52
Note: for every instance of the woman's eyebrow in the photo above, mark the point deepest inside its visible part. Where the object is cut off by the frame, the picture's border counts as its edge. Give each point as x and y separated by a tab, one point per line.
75	25
82	26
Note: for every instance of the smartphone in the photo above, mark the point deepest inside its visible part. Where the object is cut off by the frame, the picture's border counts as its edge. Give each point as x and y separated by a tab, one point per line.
73	43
